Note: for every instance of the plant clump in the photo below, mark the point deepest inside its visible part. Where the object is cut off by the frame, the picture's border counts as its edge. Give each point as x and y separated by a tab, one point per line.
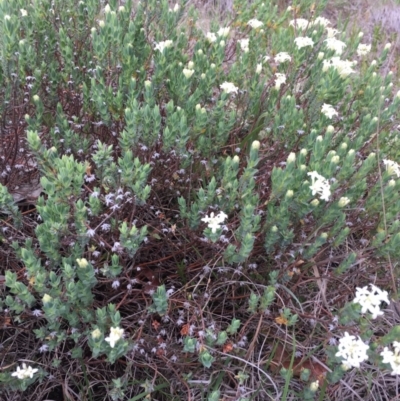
193	214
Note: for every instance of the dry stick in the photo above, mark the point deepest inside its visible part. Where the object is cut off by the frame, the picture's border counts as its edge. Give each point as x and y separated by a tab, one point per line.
394	287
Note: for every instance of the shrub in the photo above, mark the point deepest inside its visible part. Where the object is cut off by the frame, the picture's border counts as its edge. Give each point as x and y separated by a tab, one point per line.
198	208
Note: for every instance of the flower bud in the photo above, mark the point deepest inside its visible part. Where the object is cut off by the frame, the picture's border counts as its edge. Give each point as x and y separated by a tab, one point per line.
274	229
107	9
335	159
96	334
147	83
35	98
202	76
330	129
314	386
200	52
315	202
46	299
82	262
198	106
319	138
303	152
212	65
373	62
190	65
343	201
102	24
255	145
392	183
289	193
343	146
291	158
259	68
236	159
388	46
121	9
321	55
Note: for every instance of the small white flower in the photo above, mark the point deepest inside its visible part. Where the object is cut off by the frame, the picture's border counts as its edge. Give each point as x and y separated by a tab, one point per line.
353	351
187	73
363	49
90	233
303	41
370	301
229	87
115	284
321	21
387	46
107	9
343	67
331	32
392	358
24	372
214	222
163	45
282	57
392	167
211	37
328	110
280	79
299	23
255	23
258	68
43	348
336	45
244	44
319	185
37	312
116	333
23	12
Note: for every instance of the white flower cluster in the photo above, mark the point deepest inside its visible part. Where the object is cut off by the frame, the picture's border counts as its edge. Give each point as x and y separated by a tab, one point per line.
392	167
392	358
214	222
303	41
25	372
280	79
229	87
336	45
255	23
363	49
116	333
222	32
299	23
352	350
370	301
244	45
282	57
328	110
163	45
319	185
343	67
321	21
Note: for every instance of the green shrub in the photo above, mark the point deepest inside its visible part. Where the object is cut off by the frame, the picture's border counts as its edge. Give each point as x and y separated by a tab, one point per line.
201	193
